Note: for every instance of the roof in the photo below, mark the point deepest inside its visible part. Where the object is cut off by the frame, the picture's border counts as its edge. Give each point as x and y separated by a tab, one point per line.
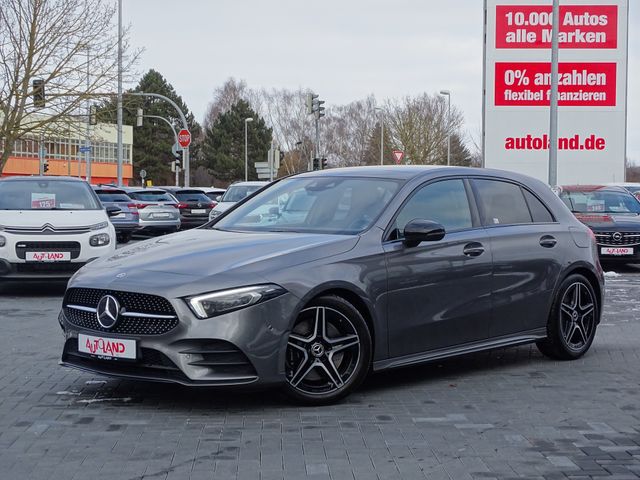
593	188
54	178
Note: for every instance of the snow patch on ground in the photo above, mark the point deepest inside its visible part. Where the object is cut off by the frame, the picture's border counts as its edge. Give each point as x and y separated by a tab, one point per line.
95	382
64	392
98	400
611	274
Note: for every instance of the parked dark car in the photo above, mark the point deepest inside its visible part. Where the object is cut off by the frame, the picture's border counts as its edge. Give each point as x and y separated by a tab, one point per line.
193	204
614	216
380	267
127	221
158	210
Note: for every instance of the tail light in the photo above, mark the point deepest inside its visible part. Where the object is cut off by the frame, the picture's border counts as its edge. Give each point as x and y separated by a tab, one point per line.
133	208
181	205
140	206
213	204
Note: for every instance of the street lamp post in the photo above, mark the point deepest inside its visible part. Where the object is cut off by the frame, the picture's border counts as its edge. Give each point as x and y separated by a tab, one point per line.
246	148
381	134
447	94
119	101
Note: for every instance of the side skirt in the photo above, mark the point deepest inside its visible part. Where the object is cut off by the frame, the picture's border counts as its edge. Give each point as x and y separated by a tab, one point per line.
500	342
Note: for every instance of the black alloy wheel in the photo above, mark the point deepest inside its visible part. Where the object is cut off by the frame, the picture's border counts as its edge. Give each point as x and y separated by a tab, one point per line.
573	320
328	351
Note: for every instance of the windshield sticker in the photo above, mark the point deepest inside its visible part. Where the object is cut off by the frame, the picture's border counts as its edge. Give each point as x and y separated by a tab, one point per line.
43	200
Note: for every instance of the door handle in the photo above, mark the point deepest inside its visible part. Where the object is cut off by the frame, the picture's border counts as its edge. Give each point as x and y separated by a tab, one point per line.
473	249
548	241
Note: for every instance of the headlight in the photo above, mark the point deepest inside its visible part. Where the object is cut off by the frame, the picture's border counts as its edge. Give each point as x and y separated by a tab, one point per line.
99	226
99	240
3	241
217	303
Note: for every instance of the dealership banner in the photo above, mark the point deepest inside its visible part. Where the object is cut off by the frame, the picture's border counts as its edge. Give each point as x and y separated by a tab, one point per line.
592	88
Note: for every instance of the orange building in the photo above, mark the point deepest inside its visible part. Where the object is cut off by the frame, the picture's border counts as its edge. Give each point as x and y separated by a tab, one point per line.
63	154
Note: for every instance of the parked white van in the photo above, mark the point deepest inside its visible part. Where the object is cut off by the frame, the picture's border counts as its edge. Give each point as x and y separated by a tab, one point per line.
50	227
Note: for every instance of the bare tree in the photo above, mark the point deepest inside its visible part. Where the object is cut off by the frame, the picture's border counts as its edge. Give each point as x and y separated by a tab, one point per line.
63	43
419	126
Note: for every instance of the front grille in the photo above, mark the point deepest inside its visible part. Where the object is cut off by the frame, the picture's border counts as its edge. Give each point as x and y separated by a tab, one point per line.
627	238
149	310
221	357
23	247
48	230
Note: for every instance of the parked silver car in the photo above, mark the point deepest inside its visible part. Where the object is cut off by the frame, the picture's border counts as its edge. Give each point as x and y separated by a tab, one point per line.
157	209
236	192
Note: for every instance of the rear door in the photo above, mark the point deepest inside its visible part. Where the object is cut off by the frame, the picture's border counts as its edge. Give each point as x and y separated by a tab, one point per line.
527	245
438	292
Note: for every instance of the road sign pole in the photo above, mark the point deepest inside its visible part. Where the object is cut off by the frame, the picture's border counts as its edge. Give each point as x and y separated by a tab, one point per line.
553	110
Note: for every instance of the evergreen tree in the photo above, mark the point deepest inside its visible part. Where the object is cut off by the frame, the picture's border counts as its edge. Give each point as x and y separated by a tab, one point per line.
153	141
460	154
223	145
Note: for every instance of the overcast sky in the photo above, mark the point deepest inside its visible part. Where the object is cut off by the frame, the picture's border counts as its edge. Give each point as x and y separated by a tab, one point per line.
343	50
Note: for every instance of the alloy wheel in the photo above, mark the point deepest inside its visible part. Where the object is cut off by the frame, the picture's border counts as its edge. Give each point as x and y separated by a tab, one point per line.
577	316
323	351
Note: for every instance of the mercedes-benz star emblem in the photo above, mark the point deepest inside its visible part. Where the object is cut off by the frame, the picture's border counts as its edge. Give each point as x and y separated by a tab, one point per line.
107	311
617	236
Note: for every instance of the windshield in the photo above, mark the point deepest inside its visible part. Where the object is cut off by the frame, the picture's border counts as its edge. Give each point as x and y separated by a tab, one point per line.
113	196
335	205
192	196
152	196
601	201
47	195
235	193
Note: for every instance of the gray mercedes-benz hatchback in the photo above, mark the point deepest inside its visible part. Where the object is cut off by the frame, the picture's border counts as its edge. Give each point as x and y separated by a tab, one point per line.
321	277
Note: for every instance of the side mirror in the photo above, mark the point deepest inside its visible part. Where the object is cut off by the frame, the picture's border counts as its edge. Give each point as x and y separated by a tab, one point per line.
418	230
112	211
218	198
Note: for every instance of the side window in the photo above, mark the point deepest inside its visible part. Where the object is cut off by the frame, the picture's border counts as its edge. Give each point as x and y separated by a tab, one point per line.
444	202
539	212
502	203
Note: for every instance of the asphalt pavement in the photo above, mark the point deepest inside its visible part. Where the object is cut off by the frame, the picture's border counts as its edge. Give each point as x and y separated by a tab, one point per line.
505	414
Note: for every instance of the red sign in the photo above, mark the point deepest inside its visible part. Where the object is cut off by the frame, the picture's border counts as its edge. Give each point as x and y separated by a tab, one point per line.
581	26
590	84
398	155
184	138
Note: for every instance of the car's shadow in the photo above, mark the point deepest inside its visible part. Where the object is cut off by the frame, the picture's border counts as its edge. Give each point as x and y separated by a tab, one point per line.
451	371
621	267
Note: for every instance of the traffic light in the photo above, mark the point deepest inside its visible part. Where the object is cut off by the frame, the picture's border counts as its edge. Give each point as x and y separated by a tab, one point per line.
316	164
318	109
324	163
45	167
93	115
178	158
38	93
311	98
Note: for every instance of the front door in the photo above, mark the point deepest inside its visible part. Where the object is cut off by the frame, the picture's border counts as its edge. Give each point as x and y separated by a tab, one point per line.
439	293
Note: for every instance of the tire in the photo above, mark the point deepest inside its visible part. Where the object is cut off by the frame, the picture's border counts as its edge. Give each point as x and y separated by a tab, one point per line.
328	353
572	322
124	238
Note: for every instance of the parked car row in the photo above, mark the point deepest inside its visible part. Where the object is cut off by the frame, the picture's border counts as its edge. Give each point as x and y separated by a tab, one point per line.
157	210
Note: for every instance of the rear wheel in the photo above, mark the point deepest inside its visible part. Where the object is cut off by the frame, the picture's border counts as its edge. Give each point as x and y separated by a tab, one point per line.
573	320
328	352
124	237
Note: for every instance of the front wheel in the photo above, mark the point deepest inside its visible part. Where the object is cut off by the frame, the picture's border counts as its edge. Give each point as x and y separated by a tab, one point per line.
573	320
328	351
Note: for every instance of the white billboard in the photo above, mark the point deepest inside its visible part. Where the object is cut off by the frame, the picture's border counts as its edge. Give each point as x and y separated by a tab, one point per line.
592	91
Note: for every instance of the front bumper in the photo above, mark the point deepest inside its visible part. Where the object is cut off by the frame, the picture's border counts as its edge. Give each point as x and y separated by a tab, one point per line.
245	347
192	222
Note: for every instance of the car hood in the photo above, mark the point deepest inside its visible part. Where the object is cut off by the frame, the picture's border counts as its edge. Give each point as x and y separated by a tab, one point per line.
224	206
230	257
608	221
56	218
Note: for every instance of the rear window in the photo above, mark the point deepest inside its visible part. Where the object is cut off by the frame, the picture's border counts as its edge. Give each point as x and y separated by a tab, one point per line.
235	193
113	196
152	196
192	196
502	203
